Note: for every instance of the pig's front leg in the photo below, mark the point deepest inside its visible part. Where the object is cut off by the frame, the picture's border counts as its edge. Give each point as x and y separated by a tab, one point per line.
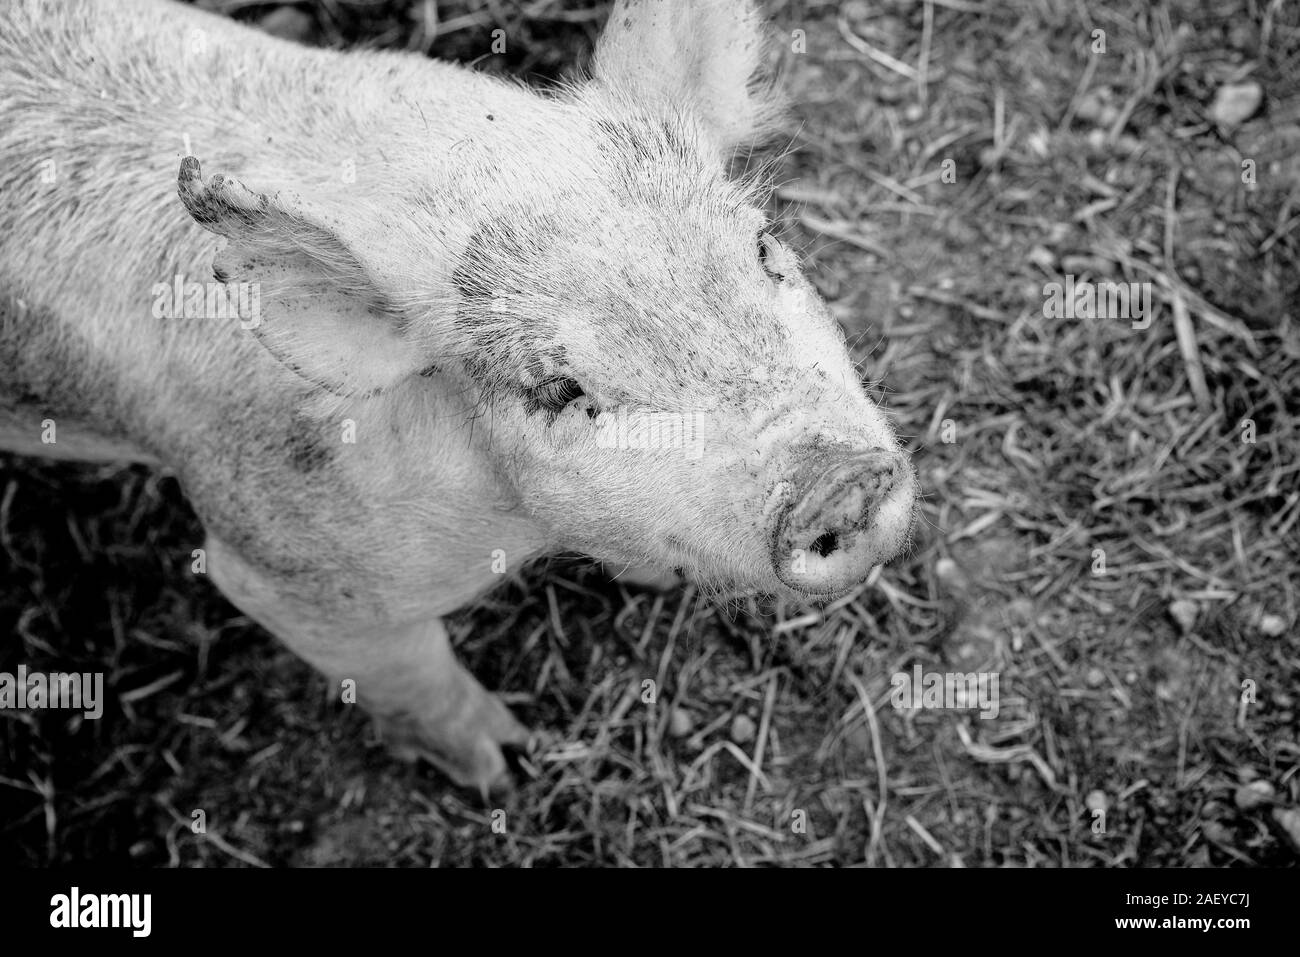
446	717
426	704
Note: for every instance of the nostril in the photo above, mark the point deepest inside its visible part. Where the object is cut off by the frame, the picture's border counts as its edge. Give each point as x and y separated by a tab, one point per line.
826	543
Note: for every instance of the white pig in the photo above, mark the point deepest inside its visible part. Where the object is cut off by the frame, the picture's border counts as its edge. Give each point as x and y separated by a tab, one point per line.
467	324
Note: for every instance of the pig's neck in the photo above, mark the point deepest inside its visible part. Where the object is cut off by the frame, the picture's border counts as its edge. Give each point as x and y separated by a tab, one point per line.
275	114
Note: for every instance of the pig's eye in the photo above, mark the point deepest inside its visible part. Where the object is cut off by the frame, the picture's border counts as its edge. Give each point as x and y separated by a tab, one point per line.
554	394
767	253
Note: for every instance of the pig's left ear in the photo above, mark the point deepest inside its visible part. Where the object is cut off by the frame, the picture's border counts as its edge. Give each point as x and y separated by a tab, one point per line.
706	56
330	290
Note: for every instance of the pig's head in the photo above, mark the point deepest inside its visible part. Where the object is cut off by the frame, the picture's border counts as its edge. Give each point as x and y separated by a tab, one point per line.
665	386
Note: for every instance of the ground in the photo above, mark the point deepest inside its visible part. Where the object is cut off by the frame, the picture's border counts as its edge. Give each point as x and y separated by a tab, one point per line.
1111	520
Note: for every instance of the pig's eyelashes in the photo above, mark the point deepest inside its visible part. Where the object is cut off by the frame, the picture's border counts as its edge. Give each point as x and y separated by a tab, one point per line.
554	394
767	256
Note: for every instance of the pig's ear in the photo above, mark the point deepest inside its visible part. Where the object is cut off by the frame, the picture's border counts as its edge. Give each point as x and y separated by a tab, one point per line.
327	293
707	56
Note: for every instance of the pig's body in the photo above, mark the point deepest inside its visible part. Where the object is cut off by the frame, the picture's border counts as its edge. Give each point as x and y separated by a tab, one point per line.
359	482
110	93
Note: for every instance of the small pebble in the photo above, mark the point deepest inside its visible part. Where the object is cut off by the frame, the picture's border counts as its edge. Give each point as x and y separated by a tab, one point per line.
1095	107
680	723
1288	819
1252	795
742	729
1184	612
1272	626
951	575
1216	833
1128	145
857	11
1042	257
1242	36
1235	103
1096	801
288	23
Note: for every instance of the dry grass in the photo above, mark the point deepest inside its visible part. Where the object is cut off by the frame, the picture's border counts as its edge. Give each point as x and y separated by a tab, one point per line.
1071	436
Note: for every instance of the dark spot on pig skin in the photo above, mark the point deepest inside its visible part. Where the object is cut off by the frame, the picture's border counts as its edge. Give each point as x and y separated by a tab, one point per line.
307	449
626	137
34	359
490	117
507	351
612	130
533	405
674	141
646	144
495	246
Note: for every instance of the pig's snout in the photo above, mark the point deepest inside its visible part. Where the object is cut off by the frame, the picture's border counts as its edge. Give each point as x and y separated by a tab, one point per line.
844	518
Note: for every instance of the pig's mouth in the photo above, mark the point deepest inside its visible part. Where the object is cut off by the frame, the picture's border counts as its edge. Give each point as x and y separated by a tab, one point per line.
842	520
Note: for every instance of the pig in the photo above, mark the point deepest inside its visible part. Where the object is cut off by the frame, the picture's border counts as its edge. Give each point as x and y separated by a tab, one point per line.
396	325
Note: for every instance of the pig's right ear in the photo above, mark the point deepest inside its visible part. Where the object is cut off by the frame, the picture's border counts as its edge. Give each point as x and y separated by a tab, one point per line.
704	56
327	296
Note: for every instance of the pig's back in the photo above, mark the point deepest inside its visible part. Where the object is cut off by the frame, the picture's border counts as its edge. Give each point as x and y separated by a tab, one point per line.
98	102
